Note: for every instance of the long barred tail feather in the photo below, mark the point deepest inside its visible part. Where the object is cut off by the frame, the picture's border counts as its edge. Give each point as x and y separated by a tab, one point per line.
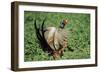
40	36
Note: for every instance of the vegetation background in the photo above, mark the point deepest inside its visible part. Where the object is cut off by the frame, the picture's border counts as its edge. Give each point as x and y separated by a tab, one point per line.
78	35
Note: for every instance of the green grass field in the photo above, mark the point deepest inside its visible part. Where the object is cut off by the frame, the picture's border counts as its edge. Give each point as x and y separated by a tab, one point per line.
78	35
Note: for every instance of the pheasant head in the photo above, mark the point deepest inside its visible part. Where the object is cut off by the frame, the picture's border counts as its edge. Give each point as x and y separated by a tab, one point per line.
63	23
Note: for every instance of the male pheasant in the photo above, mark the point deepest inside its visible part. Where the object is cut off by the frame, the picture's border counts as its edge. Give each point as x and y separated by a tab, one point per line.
54	39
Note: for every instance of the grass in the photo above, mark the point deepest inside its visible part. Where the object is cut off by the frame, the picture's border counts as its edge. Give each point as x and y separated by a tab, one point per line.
78	35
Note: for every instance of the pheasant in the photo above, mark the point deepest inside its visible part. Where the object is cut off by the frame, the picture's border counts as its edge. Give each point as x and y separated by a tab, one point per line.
52	39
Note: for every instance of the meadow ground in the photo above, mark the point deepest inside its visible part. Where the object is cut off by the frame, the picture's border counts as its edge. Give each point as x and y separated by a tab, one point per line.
78	35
